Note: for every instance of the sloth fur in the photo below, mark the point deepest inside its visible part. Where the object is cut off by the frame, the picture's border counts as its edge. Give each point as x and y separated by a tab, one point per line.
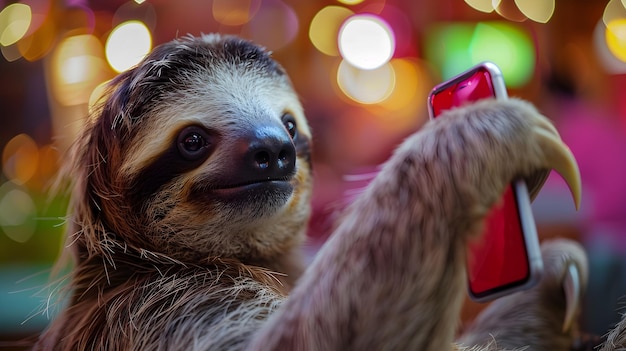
616	338
191	186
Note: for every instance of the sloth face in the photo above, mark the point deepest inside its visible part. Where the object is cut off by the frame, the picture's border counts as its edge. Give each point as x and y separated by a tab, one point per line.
202	150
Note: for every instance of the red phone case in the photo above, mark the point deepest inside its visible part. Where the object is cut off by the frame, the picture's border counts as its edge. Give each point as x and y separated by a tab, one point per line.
508	257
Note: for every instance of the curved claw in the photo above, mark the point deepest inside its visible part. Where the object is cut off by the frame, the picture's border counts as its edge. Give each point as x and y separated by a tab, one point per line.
560	158
546	124
573	295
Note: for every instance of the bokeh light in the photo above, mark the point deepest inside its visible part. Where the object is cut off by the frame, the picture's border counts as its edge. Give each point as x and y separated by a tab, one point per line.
610	35
503	43
508	47
127	45
403	109
616	38
509	10
48	164
235	12
78	66
366	41
609	62
411	85
350	2
40	13
17	213
20	158
11	53
536	10
481	5
42	34
614	10
14	22
40	43
400	25
447	47
324	28
366	86
517	10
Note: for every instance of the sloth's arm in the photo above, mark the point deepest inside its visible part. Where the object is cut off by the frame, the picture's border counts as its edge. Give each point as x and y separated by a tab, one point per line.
392	275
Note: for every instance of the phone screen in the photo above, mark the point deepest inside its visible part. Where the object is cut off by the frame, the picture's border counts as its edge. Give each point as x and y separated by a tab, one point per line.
499	259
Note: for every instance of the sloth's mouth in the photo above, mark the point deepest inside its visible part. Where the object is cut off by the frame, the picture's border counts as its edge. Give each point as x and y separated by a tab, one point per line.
275	191
253	182
264	192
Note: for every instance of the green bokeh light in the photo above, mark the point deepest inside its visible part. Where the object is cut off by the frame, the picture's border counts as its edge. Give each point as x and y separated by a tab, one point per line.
456	47
447	47
508	47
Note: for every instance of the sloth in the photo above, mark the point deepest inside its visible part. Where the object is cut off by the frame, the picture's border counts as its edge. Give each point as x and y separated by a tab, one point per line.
616	338
191	185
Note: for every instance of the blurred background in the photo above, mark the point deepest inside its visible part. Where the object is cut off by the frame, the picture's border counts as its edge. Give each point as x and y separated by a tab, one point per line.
363	69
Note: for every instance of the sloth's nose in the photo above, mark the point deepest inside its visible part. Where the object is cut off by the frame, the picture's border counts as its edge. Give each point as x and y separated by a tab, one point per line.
271	153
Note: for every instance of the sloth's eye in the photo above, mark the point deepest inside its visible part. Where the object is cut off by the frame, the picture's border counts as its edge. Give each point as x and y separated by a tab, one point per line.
290	123
193	143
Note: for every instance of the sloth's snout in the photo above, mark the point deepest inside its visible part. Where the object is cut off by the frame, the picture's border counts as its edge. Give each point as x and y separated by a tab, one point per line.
270	155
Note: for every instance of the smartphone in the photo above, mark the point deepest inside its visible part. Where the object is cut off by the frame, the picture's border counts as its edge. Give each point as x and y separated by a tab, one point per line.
507	258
